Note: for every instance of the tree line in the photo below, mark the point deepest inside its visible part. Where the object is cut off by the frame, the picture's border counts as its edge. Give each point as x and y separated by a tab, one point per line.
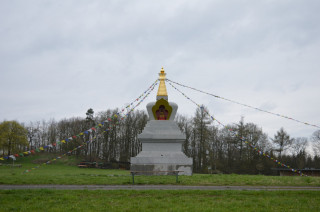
213	149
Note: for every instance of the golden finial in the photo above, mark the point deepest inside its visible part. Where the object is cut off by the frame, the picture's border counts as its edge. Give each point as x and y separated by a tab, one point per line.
162	90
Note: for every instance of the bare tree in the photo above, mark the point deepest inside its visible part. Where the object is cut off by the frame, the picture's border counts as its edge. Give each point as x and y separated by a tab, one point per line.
316	142
299	145
32	131
298	148
201	123
186	127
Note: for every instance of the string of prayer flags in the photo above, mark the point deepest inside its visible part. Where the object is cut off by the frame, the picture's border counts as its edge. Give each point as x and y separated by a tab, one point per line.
229	100
147	92
59	157
42	148
241	138
152	88
144	94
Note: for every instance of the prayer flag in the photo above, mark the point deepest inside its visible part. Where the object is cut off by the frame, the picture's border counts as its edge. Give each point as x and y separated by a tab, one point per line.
13	157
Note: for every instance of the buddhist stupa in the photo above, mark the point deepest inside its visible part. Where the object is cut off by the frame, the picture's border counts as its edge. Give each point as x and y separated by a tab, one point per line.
161	139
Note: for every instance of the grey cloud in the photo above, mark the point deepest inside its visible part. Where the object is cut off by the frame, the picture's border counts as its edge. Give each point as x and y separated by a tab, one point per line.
60	58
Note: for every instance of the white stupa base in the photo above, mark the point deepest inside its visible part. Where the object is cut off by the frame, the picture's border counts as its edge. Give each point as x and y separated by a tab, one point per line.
161	150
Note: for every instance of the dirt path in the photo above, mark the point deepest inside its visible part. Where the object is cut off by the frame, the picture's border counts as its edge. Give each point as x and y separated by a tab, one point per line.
153	187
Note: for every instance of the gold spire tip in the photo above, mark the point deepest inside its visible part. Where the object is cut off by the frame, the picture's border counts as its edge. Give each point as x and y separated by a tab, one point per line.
162	91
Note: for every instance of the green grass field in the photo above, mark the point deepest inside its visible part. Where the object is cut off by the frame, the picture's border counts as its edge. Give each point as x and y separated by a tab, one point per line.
65	172
84	200
62	173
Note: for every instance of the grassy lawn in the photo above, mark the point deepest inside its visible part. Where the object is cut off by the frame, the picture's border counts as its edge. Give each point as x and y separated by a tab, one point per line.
84	200
65	171
65	174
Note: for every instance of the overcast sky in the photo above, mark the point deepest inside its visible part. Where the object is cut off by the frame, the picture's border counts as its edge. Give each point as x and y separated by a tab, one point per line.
60	58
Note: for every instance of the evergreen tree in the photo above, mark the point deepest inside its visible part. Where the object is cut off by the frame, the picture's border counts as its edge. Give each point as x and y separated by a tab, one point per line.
282	141
90	118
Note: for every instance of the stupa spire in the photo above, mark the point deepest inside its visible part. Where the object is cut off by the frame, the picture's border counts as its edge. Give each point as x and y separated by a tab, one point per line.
162	90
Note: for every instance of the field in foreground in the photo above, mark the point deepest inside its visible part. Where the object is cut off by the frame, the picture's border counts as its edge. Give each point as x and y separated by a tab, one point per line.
65	172
84	200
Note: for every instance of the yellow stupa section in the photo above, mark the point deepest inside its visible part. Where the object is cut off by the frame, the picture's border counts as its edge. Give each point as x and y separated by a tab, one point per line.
162	90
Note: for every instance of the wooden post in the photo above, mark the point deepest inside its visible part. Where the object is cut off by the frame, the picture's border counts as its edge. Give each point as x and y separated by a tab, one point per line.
132	173
177	176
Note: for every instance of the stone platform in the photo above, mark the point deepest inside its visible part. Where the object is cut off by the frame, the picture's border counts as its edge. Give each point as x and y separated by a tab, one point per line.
161	150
